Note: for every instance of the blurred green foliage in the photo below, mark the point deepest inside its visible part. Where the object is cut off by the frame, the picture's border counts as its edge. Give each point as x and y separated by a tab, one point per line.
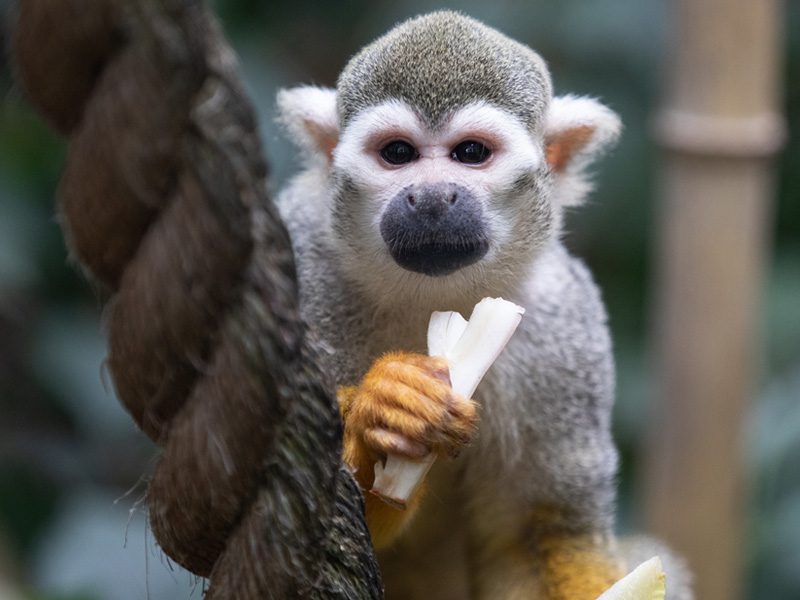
62	432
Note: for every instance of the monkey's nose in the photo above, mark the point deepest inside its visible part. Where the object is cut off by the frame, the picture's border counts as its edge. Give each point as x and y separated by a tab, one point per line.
432	201
435	229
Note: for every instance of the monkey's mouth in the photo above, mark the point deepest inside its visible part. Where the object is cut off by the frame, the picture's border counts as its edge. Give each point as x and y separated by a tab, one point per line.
437	258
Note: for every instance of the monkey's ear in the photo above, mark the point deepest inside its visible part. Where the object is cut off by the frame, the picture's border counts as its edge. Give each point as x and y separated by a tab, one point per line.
309	115
577	130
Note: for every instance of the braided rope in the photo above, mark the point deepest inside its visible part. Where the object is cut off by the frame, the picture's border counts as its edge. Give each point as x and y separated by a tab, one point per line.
163	200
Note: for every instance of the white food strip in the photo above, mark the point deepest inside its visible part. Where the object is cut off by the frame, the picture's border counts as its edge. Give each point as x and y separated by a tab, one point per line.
645	582
470	349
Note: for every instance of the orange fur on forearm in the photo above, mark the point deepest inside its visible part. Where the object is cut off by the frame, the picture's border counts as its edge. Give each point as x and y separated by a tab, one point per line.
403	405
344	396
385	523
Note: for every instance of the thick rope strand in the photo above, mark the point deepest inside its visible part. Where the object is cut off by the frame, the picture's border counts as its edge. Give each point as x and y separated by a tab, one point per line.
163	200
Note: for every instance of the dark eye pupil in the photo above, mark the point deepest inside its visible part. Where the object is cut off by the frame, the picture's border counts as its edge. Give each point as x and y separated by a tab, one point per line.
398	153
470	152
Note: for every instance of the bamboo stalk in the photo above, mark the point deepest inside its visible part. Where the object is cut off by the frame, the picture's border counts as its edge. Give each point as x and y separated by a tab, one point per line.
719	126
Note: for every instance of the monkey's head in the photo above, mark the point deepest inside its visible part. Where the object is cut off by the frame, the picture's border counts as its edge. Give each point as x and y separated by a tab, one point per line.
449	160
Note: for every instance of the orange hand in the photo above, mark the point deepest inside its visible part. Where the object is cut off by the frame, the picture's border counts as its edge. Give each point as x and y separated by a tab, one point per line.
404	405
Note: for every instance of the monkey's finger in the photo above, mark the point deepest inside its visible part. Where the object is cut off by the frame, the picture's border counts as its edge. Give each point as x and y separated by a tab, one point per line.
415	370
393	419
389	442
462	409
448	434
446	425
452	442
431	404
457	431
434	366
408	377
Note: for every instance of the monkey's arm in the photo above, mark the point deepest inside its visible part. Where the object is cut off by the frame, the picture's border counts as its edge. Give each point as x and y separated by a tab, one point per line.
542	513
404	405
385	523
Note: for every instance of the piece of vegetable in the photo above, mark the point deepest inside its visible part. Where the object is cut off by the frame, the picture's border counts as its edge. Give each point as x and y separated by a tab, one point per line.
470	348
645	582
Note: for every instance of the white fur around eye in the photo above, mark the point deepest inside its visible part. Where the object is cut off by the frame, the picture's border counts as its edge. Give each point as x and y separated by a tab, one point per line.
392	117
500	125
357	153
514	150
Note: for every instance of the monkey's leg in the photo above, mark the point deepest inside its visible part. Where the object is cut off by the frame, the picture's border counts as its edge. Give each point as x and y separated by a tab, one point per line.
575	565
537	557
571	523
504	569
541	524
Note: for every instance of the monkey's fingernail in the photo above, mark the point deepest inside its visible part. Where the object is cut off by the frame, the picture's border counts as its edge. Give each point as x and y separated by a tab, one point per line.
394	443
442	374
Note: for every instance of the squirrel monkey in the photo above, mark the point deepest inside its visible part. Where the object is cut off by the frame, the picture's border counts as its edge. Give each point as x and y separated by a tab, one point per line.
437	173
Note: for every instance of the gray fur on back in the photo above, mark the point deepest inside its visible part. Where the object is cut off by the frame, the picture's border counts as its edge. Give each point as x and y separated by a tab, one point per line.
442	61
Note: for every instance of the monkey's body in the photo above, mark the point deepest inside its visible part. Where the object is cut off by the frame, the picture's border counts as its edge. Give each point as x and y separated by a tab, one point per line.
431	197
543	437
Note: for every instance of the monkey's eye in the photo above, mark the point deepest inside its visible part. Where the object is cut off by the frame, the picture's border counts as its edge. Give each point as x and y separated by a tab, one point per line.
398	153
470	152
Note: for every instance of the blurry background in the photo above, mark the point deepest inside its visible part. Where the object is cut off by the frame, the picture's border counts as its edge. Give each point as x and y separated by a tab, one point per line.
71	462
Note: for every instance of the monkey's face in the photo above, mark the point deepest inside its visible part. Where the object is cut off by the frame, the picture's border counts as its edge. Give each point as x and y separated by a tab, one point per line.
445	207
464	196
448	160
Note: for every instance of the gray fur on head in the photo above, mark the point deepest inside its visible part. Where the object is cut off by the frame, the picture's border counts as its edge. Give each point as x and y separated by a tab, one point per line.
442	61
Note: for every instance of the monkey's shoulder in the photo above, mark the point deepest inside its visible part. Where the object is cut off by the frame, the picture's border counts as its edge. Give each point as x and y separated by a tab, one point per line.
303	205
337	319
562	345
560	294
